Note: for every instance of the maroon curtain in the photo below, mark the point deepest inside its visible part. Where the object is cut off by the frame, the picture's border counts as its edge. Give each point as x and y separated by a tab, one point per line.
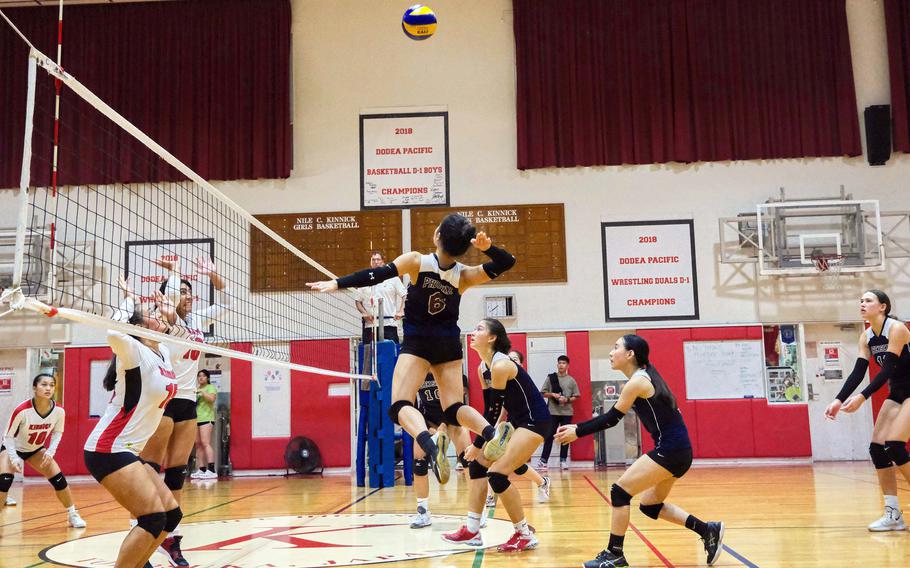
208	80
897	22
605	82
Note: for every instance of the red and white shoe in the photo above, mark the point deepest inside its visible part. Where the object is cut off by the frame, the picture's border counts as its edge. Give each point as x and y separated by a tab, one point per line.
464	536
518	542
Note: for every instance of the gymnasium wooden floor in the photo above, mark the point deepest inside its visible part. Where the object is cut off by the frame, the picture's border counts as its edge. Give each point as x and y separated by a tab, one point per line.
776	516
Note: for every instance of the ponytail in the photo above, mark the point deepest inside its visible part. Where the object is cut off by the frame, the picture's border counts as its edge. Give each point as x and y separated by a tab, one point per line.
110	376
661	389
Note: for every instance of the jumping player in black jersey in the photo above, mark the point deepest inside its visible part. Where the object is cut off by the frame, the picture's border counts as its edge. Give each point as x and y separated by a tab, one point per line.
886	339
654	473
432	339
512	390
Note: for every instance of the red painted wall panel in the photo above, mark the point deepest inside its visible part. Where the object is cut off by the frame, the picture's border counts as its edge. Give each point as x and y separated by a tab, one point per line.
781	430
578	349
725	428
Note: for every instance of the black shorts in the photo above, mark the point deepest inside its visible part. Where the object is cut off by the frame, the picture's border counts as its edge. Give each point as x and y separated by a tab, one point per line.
204	423
541	428
102	464
676	462
26	455
436	350
433	415
180	410
899	392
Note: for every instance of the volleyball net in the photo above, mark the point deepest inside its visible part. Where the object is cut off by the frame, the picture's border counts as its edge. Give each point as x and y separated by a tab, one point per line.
75	241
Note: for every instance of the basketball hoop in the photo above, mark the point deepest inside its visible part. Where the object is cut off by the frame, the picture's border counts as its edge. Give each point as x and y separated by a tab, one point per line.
829	268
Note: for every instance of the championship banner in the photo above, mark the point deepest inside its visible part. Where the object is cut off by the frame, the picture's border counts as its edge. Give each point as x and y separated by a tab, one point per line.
649	270
404	160
145	276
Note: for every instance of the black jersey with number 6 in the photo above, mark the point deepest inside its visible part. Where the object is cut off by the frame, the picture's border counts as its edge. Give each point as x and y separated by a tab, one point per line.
431	307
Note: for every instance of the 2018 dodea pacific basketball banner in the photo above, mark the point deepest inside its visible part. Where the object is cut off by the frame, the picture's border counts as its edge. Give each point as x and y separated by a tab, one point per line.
404	159
649	270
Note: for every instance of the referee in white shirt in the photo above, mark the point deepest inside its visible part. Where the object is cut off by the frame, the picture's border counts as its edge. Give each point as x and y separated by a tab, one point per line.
392	293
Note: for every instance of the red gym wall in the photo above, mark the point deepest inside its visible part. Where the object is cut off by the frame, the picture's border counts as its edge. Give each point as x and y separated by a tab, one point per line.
729	428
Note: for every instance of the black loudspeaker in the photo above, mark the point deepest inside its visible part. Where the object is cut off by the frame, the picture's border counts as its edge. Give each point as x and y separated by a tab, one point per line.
878	134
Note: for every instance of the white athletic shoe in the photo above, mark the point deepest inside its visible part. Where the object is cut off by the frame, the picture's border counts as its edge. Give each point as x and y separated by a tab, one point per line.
541	465
210	475
483	519
892	520
10	502
564	464
421	519
543	492
198	474
75	520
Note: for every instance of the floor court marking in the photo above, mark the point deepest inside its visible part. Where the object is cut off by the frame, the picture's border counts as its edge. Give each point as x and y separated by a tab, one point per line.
20	521
653	548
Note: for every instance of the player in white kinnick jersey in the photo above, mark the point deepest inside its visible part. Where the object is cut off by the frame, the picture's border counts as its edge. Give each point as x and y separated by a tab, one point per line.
173	441
143	382
31	425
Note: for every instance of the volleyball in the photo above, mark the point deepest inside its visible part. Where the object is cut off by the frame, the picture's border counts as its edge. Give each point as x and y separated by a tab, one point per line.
418	22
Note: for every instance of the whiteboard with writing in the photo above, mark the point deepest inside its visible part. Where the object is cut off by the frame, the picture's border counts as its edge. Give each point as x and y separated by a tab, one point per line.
724	369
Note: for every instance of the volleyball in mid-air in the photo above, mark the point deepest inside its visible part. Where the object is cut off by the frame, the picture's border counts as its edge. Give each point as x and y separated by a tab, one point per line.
418	22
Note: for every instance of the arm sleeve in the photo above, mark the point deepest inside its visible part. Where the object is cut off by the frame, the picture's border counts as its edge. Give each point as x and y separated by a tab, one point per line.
55	441
494	409
368	276
598	423
889	365
500	261
10	432
853	380
124	346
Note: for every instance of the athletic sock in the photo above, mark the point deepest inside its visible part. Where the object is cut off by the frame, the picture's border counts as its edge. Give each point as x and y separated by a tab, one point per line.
212	467
891	501
615	545
71	509
473	522
699	526
488	433
522	527
423	504
202	468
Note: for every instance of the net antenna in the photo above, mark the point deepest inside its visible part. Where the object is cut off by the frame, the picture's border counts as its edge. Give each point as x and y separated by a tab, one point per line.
73	242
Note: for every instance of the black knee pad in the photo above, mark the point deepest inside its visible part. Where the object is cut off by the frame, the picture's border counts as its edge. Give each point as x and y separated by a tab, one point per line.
463	461
619	497
880	458
522	469
58	482
174	478
153	523
172	519
652	511
499	482
396	408
451	414
6	481
897	451
476	471
155	466
420	467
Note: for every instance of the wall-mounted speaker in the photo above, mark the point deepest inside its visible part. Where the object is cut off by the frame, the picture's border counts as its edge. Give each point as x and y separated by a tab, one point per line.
878	134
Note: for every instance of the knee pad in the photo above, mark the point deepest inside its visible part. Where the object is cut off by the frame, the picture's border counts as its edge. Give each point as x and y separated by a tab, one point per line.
522	469
897	451
396	408
880	458
652	511
462	461
172	519
420	467
499	482
153	523
451	414
58	482
155	466
619	497
476	471
6	481
174	478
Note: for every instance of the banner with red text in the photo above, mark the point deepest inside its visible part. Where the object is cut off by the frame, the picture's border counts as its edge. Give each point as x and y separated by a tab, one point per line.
649	270
145	276
404	160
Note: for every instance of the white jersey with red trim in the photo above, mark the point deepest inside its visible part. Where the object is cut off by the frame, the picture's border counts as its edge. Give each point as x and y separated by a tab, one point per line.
186	361
29	430
145	384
